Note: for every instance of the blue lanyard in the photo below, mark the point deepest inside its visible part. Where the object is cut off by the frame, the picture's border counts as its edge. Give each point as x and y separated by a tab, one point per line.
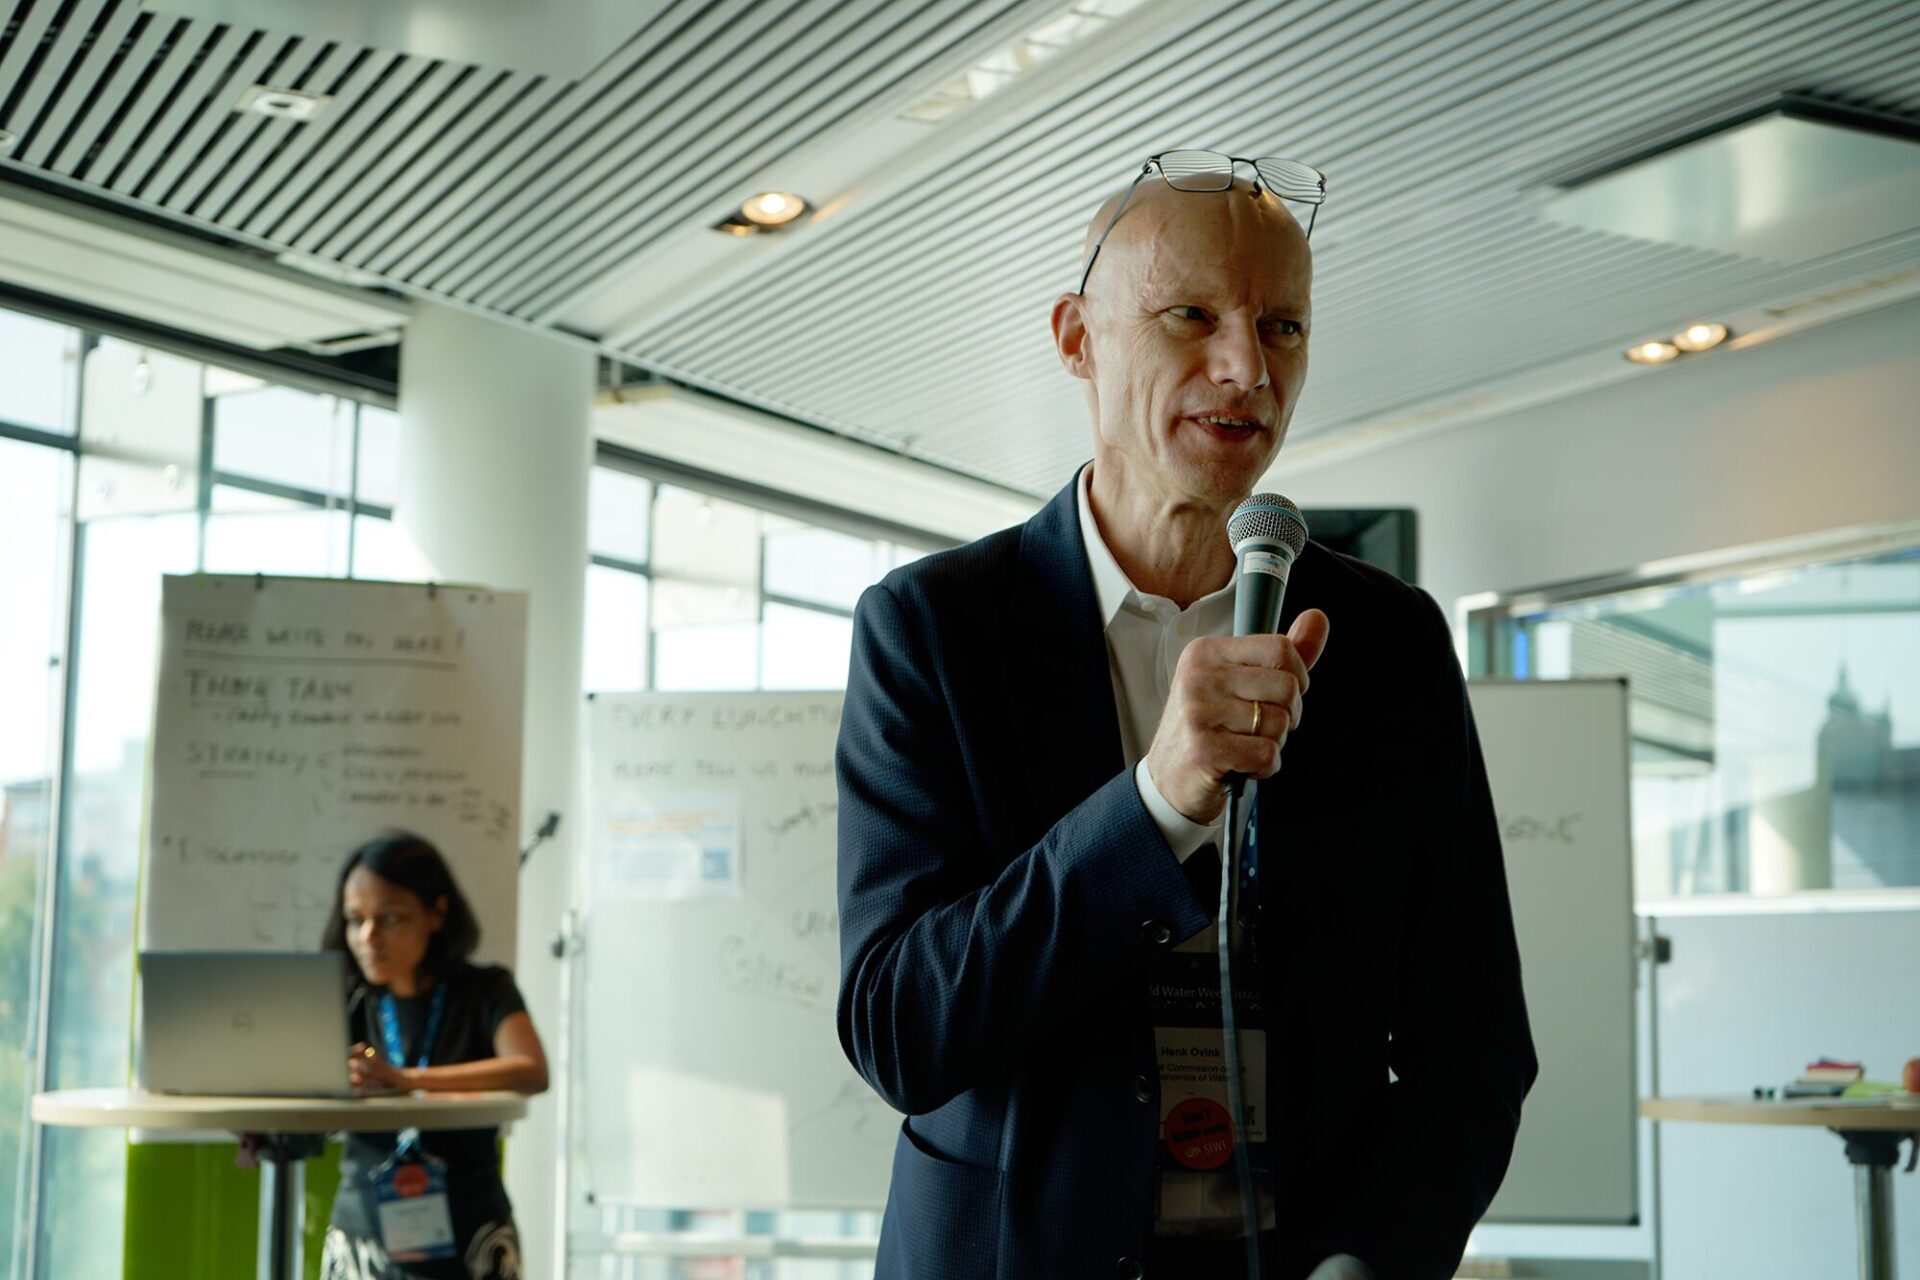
390	1027
1250	870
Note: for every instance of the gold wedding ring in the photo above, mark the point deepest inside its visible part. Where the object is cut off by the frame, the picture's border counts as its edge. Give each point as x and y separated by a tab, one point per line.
1256	719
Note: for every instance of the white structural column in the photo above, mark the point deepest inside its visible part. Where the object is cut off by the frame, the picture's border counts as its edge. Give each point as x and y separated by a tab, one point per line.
495	455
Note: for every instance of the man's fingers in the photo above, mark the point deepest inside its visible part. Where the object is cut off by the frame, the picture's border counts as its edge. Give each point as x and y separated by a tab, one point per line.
1279	693
1250	757
1260	653
1309	635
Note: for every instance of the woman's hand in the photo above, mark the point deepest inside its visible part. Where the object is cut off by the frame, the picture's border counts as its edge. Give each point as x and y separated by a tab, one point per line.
368	1072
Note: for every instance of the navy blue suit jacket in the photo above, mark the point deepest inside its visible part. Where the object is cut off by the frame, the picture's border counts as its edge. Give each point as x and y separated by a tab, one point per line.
1002	888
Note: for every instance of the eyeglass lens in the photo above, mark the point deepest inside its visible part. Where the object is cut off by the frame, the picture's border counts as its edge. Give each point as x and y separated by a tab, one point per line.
1196	170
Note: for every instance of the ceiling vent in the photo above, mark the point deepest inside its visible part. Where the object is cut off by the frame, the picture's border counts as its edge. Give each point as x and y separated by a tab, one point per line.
1794	181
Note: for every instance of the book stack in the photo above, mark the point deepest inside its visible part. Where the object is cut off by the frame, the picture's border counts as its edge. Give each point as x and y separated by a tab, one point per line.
1825	1079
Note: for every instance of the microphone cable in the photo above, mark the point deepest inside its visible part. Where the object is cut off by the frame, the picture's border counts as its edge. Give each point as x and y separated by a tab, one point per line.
1229	1029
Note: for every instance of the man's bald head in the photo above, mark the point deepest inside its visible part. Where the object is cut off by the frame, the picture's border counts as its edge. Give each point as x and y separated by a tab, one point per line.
1155	211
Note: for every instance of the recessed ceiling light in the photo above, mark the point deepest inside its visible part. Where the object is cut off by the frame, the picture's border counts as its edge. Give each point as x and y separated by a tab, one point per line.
281	104
768	211
7	140
772	208
1652	352
1700	337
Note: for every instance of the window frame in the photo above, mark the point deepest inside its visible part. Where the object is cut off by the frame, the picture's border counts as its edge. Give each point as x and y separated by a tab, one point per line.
51	907
1488	624
660	472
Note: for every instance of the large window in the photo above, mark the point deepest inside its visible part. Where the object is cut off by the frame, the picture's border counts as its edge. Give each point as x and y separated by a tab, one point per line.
1775	717
688	591
103	447
36	489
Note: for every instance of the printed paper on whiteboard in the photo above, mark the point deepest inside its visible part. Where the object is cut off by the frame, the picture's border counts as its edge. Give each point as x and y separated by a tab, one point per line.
673	846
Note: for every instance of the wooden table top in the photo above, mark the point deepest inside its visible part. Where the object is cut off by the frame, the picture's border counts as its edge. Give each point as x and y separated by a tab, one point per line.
138	1109
1899	1112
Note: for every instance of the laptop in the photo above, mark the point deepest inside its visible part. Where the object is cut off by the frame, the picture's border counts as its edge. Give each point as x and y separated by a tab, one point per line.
244	1023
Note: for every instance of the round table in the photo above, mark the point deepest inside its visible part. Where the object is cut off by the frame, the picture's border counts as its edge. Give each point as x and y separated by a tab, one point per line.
286	1121
1872	1128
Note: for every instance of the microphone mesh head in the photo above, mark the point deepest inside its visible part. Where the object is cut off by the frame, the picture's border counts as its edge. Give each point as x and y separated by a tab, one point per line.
1268	517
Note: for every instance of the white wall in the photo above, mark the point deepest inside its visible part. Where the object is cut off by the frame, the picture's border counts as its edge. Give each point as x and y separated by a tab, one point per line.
1748	1000
1813	431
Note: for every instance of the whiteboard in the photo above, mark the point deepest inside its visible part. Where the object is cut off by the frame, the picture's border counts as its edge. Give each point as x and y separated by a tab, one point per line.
298	717
712	1075
1556	753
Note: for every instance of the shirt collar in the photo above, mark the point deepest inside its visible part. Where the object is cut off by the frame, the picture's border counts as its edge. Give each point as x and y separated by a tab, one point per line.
1111	586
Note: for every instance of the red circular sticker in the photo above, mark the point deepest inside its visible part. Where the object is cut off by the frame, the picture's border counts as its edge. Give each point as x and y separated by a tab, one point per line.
1199	1133
410	1180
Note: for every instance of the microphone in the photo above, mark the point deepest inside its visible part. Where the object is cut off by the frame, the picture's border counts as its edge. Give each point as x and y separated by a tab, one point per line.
1268	534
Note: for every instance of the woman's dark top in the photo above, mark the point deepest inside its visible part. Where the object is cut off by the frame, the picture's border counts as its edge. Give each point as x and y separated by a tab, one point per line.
479	999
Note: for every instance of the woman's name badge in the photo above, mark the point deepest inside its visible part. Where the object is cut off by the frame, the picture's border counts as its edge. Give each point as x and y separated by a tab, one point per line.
411	1198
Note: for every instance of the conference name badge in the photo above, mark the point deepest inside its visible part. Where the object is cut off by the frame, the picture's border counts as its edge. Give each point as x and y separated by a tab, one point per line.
411	1198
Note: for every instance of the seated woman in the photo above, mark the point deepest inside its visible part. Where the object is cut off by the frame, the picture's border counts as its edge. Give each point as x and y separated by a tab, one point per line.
423	1017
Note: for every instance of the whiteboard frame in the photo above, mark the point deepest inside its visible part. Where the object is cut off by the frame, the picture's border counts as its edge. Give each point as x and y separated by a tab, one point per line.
1630	928
582	1197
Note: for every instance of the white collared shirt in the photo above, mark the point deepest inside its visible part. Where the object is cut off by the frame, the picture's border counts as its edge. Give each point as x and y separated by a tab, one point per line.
1145	635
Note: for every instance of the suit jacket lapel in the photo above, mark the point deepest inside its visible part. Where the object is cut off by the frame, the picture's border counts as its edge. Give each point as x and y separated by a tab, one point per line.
1062	683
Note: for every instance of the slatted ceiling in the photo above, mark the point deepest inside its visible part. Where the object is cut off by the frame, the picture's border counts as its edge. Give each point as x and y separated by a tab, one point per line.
445	178
923	304
322	72
400	106
126	125
56	66
590	224
690	104
398	207
999	192
199	66
960	215
547	133
843	372
453	92
950	227
986	226
837	91
201	121
19	57
100	52
150	31
598	137
294	151
197	163
393	81
246	139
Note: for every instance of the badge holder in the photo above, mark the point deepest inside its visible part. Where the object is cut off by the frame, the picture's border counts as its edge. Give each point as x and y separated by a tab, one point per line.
410	1199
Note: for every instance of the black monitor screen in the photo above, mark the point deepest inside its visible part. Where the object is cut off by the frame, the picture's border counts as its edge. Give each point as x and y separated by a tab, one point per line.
1385	537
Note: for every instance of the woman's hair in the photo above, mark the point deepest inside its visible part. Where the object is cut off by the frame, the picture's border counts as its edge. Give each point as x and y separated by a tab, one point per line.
416	866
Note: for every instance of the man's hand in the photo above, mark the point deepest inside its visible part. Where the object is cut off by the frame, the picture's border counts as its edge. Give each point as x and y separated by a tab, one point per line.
1207	730
1341	1267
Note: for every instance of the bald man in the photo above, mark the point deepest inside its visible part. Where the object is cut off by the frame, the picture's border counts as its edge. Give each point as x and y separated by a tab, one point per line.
1031	762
